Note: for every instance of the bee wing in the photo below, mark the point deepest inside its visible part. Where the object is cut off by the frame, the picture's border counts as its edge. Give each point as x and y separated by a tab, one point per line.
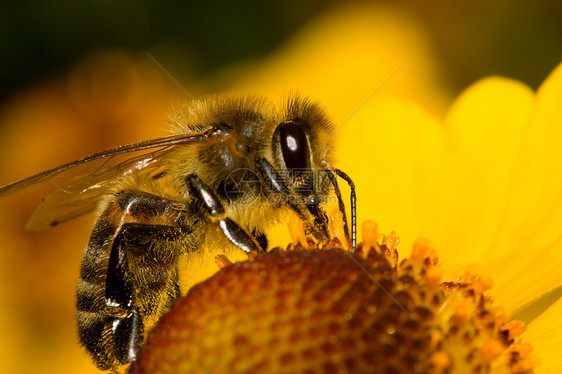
80	194
82	183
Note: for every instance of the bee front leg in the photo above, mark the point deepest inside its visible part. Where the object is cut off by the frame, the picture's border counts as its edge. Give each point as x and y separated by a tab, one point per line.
278	185
215	209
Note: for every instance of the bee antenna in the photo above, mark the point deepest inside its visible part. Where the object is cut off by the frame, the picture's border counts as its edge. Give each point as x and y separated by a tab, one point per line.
353	199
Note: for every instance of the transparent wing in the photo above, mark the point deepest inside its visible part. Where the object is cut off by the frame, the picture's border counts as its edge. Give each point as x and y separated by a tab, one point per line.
82	183
79	194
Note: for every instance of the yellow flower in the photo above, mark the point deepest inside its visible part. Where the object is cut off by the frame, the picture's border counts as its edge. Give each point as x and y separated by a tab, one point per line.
484	183
466	184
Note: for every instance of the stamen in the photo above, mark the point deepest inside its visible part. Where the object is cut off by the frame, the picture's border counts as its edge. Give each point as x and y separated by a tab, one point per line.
296	230
433	277
460	315
337	230
420	251
481	284
514	328
492	349
420	248
370	233
391	241
435	338
222	261
441	362
524	350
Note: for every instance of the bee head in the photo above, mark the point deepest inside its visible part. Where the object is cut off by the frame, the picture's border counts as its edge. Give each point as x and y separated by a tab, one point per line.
301	148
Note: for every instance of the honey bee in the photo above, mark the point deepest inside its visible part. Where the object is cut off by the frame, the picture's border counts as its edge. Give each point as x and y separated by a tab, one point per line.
233	166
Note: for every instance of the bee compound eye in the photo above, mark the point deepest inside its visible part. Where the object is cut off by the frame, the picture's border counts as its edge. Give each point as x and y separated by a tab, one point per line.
294	145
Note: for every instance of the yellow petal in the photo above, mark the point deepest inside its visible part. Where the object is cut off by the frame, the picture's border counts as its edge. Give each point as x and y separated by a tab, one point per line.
464	190
381	140
529	239
545	333
535	202
486	125
521	277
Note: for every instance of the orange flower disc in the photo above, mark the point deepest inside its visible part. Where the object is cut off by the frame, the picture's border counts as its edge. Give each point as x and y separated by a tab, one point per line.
329	311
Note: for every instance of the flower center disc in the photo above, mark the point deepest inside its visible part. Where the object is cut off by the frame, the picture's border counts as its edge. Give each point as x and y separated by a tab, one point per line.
330	311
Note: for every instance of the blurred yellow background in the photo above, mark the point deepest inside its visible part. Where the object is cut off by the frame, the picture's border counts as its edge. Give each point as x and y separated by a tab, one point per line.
67	93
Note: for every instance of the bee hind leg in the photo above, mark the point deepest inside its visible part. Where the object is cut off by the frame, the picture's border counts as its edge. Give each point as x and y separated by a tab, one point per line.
133	253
